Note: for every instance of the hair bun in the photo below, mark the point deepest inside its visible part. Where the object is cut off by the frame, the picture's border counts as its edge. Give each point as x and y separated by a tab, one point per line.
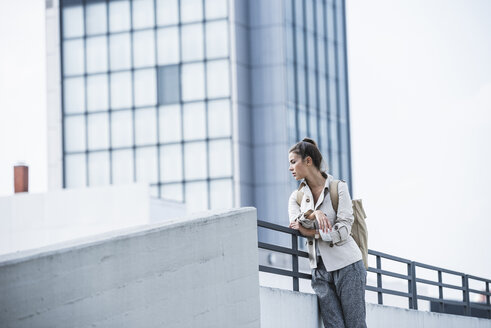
309	141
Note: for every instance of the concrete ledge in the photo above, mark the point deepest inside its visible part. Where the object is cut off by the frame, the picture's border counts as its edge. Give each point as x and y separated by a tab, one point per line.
198	272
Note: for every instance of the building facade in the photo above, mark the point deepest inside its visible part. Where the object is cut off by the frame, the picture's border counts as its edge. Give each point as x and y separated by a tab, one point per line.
201	99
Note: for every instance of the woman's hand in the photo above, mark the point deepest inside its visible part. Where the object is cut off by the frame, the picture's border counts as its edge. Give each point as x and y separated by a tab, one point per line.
295	225
323	221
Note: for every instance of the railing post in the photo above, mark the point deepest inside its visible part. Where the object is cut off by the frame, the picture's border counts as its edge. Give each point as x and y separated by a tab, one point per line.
413	300
465	292
379	280
295	262
487	300
440	290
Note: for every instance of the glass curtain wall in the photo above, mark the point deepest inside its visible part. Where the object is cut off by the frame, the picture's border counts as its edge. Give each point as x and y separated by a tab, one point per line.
317	83
146	97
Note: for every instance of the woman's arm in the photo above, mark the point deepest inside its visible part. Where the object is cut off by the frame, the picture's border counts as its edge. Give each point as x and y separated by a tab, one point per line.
345	218
294	211
304	231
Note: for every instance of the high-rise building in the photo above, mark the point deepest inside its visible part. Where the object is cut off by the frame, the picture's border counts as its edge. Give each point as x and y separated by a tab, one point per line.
201	99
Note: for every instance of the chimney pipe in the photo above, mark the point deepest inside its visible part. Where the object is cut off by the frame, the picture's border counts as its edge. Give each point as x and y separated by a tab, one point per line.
21	178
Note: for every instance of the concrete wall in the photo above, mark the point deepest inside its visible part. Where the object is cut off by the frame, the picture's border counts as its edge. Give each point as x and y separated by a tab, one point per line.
282	308
30	221
201	272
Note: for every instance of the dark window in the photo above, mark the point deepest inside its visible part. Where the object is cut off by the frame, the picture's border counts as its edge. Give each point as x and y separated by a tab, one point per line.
169	84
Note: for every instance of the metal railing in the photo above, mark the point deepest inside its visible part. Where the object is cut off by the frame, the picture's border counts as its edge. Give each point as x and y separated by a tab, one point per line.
411	277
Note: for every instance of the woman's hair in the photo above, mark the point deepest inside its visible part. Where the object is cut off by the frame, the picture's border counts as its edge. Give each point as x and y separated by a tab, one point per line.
308	147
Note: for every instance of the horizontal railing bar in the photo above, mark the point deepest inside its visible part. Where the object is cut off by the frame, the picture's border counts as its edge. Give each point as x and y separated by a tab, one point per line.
284	250
283	272
479	278
387	291
482	306
277	227
387	256
440	300
431	267
480	292
389	273
436	283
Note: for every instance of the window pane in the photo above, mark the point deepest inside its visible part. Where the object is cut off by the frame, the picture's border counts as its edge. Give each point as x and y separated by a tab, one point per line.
97	93
121	129
216	8
96	18
217	39
193	86
145	87
192	42
169	84
119	16
333	135
73	57
312	89
217	79
171	163
194	121
309	10
99	168
331	59
221	194
121	90
195	160
120	51
196	196
172	191
73	21
168	45
191	10
75	171
143	15
122	161
146	126
144	48
167	12
98	131
96	54
74	95
330	21
333	106
75	133
146	165
219	121
220	158
169	123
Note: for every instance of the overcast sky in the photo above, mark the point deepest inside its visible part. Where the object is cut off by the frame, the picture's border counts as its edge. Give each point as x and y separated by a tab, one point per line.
420	90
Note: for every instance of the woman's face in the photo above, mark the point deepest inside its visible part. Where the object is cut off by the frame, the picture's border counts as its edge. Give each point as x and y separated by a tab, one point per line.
298	167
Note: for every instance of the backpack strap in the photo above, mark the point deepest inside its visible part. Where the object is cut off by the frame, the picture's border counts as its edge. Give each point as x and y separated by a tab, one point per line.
333	192
299	197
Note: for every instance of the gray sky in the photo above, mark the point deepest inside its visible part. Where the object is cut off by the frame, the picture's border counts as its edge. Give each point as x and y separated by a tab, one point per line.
420	89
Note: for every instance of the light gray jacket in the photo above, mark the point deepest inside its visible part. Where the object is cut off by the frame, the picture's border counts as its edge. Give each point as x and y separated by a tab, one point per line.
343	250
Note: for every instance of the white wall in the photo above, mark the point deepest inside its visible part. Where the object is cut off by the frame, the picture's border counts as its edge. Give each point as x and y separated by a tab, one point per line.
198	273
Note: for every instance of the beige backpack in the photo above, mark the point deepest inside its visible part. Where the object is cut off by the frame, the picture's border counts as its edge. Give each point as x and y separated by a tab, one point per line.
359	230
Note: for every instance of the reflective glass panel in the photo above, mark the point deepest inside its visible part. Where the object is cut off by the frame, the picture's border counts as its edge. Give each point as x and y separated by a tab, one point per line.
215	9
74	133
123	168
191	10
331	49
98	131
144	48
217	75
96	54
309	11
196	196
145	126
168	45
96	18
194	121
333	106
333	135
219	118
120	51
143	15
122	128
192	42
99	168
167	12
73	21
171	163
193	86
75	170
217	39
169	84
195	165
97	92
73	57
330	21
173	191
312	89
300	46
221	194
145	87
121	90
74	95
220	158
311	50
170	123
146	165
119	15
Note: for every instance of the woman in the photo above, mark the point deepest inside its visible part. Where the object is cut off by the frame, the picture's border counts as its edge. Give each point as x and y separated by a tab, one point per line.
338	272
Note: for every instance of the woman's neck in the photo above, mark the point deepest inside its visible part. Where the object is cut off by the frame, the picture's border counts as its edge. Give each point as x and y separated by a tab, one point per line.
316	181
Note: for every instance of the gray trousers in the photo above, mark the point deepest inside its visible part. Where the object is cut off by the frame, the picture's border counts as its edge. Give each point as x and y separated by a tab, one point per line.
341	295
